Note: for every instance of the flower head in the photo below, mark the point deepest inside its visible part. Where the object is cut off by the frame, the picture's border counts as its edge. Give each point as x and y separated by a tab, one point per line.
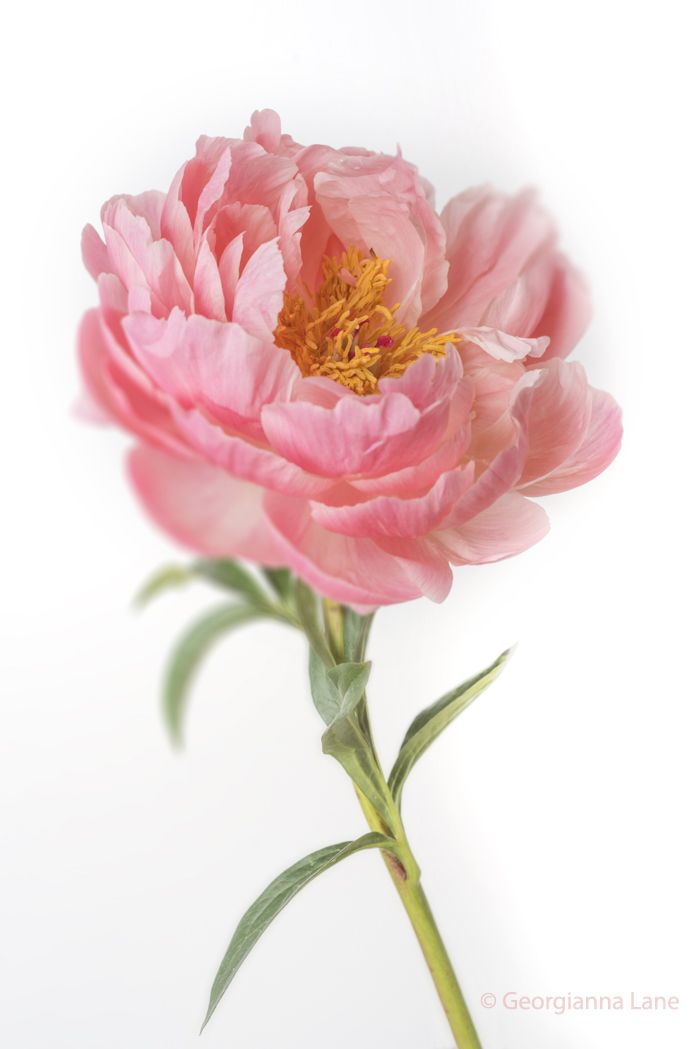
323	373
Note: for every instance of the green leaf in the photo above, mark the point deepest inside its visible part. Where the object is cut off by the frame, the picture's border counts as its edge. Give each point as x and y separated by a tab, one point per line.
347	742
275	897
428	725
281	580
189	652
356	633
337	690
165	578
307	609
232	576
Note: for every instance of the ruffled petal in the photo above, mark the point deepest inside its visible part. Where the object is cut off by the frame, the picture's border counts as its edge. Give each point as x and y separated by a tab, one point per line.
218	367
394	517
358	572
358	435
512	524
594	454
491	239
558	417
119	391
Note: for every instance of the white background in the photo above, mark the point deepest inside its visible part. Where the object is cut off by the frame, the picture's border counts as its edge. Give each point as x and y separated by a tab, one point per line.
557	821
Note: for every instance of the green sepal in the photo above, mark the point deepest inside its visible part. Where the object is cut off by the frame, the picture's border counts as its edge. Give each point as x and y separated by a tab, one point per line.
189	653
428	725
275	897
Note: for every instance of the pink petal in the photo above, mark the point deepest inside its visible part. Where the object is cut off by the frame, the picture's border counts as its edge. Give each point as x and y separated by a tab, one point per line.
491	239
219	367
383	225
596	451
116	387
568	311
358	572
244	459
202	507
95	255
208	291
394	517
429	379
359	435
502	346
509	526
259	291
265	128
558	418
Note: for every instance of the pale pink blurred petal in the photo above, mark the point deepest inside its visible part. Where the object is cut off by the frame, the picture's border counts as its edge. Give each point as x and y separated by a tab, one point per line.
202	507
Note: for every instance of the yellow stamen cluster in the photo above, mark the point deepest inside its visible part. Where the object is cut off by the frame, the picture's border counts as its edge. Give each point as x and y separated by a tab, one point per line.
347	333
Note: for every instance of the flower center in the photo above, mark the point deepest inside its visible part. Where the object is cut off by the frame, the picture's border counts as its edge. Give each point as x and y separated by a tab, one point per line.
347	333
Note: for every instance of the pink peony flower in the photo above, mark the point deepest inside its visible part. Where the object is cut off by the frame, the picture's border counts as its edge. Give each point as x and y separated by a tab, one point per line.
324	373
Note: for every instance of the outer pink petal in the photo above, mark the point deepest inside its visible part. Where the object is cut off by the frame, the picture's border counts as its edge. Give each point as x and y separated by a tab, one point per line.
95	255
504	470
558	417
202	507
597	450
114	384
265	128
509	526
138	259
568	311
358	572
491	239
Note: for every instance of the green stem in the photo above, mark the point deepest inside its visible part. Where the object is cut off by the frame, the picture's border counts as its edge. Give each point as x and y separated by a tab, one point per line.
405	874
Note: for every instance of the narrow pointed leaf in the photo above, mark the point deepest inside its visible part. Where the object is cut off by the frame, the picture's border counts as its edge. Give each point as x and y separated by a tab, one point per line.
189	652
166	578
281	580
428	725
232	576
307	609
275	897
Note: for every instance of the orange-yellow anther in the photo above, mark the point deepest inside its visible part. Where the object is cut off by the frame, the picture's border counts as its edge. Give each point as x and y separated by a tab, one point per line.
346	332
